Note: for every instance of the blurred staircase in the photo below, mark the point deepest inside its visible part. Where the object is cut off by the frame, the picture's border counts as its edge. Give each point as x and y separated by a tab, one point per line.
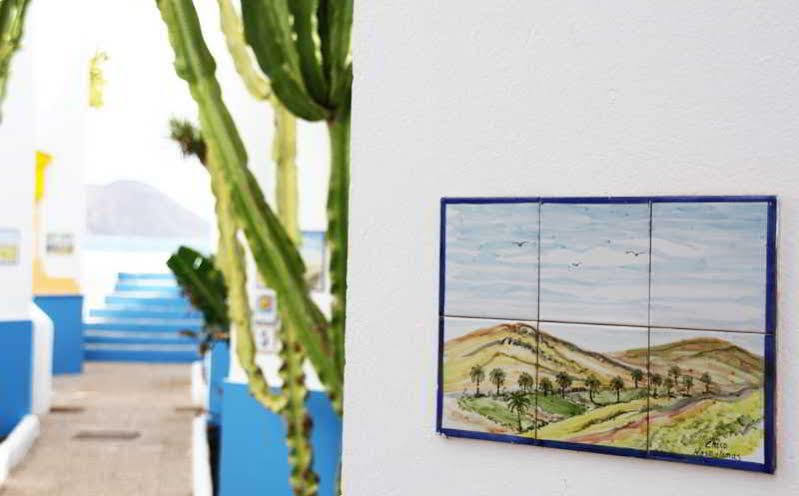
142	322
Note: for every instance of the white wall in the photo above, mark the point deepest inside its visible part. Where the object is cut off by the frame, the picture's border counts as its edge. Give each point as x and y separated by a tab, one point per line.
60	74
553	99
16	183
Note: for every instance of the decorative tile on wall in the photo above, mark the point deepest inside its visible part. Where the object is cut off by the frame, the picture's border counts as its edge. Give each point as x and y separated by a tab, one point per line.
630	326
593	385
492	260
484	362
711	401
595	262
709	265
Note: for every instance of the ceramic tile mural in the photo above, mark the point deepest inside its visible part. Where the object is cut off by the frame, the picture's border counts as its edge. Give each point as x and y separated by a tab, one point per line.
632	326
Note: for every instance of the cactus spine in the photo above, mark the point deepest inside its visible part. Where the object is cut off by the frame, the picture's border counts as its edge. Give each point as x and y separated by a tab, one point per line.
12	21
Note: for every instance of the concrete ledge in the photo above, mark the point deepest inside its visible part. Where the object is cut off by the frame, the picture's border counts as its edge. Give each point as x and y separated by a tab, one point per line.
42	382
199	388
17	444
200	458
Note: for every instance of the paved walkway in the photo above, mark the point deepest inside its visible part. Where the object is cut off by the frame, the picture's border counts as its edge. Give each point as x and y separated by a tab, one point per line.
117	399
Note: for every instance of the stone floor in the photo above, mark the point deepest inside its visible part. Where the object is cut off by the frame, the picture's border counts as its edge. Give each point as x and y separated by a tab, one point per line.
117	398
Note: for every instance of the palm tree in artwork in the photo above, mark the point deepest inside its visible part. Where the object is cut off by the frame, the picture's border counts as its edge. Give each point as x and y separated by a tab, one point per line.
477	375
668	383
592	383
707	381
545	385
656	380
687	383
675	372
637	376
617	384
497	378
526	382
518	402
564	380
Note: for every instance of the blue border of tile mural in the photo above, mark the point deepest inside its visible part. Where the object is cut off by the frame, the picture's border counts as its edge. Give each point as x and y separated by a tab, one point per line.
769	436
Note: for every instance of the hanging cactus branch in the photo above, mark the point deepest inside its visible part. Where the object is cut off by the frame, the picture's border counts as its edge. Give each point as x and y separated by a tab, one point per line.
231	261
12	21
233	29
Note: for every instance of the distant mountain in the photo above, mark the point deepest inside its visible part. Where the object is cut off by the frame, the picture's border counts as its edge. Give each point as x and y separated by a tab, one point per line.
131	208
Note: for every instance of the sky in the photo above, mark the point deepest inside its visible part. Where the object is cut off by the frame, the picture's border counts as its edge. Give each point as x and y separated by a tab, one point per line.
708	263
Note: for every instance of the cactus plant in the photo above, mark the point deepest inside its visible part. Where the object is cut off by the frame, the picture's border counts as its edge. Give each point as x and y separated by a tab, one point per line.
12	20
290	401
272	239
277	259
303	46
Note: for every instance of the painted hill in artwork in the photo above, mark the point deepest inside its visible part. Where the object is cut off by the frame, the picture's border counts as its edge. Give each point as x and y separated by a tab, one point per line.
705	396
513	347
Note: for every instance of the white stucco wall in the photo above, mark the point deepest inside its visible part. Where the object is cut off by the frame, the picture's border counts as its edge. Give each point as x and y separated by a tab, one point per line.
60	74
16	183
560	98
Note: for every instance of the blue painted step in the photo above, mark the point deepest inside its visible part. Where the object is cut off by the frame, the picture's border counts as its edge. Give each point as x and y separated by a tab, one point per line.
144	313
133	300
127	276
144	326
151	290
141	353
128	337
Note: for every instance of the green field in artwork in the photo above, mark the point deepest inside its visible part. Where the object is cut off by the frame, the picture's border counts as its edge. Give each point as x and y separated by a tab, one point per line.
696	394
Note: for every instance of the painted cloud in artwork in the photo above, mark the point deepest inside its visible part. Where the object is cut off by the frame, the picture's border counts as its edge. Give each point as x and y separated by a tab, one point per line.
492	260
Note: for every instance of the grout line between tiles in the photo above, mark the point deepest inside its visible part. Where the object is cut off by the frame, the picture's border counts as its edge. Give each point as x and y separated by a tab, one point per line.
649	335
537	325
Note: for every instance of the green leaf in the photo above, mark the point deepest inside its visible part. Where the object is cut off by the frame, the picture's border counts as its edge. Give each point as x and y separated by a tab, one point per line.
203	284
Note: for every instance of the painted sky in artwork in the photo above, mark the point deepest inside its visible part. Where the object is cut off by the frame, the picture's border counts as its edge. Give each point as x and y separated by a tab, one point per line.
595	263
709	265
492	260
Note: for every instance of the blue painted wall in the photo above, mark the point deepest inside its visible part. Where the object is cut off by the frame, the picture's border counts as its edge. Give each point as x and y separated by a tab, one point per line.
254	454
220	363
16	372
66	312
